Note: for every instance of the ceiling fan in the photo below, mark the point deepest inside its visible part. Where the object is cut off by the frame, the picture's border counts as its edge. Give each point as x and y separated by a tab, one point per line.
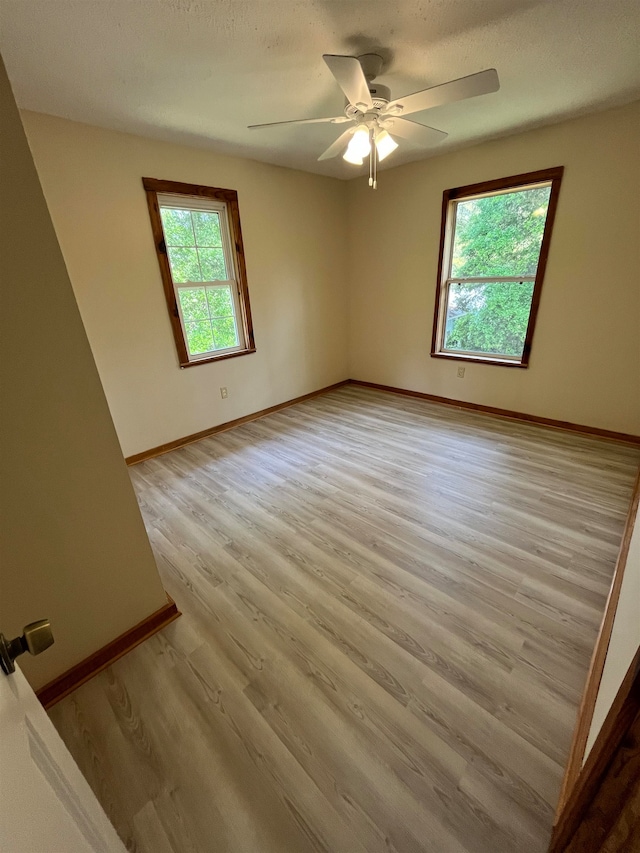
372	113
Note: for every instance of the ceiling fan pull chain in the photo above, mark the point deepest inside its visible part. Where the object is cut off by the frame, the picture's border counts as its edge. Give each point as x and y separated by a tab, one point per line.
371	158
374	151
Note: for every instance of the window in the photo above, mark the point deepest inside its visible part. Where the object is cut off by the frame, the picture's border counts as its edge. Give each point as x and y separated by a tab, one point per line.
199	245
493	251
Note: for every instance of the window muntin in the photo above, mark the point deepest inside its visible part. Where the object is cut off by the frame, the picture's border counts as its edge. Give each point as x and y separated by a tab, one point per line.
199	247
492	259
209	318
194	241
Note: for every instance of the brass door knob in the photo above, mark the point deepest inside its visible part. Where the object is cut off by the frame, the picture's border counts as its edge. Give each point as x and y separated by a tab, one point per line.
36	638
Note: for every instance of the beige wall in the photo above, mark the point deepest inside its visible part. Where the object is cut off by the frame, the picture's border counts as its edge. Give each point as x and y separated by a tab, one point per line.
312	243
586	351
73	546
293	226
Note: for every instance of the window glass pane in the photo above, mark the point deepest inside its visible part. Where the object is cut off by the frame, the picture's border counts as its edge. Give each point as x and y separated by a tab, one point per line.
193	302
184	264
207	227
220	302
225	334
488	318
501	234
213	265
177	227
204	261
199	337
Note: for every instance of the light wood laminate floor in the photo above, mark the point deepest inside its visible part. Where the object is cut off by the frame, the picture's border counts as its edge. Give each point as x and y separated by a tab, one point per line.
389	609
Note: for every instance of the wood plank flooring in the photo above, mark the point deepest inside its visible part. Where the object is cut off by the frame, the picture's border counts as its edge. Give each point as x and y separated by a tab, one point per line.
389	609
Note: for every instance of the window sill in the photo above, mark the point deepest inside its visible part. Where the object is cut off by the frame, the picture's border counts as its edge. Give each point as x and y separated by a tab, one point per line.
501	362
211	358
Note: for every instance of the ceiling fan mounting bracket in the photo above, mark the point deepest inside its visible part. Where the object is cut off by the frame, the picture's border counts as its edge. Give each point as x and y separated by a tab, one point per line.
371	65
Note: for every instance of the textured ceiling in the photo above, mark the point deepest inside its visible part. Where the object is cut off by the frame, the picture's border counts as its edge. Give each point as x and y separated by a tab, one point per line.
200	71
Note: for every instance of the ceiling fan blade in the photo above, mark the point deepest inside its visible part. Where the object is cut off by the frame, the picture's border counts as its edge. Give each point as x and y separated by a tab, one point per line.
339	145
420	134
481	83
334	120
350	77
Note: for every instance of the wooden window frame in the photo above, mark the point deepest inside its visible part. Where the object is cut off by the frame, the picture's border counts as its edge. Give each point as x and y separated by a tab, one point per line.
447	228
153	188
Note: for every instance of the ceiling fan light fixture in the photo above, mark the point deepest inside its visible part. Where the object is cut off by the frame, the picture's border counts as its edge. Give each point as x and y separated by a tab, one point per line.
352	157
360	144
385	144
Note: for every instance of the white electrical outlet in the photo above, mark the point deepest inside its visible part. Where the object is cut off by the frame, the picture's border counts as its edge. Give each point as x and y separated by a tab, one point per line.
461	372
224	393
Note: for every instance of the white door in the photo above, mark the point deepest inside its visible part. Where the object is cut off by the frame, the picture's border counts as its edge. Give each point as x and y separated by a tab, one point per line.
46	805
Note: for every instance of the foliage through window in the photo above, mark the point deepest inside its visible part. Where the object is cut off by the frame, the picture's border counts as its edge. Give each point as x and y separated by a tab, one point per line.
199	246
492	259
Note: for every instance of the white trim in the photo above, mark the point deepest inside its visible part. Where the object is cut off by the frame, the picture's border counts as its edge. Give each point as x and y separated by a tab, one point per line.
477	354
447	279
196	203
178	201
536	185
492	279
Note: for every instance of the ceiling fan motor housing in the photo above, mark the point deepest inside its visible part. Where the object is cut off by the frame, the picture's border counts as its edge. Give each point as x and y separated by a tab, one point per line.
380	95
371	64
